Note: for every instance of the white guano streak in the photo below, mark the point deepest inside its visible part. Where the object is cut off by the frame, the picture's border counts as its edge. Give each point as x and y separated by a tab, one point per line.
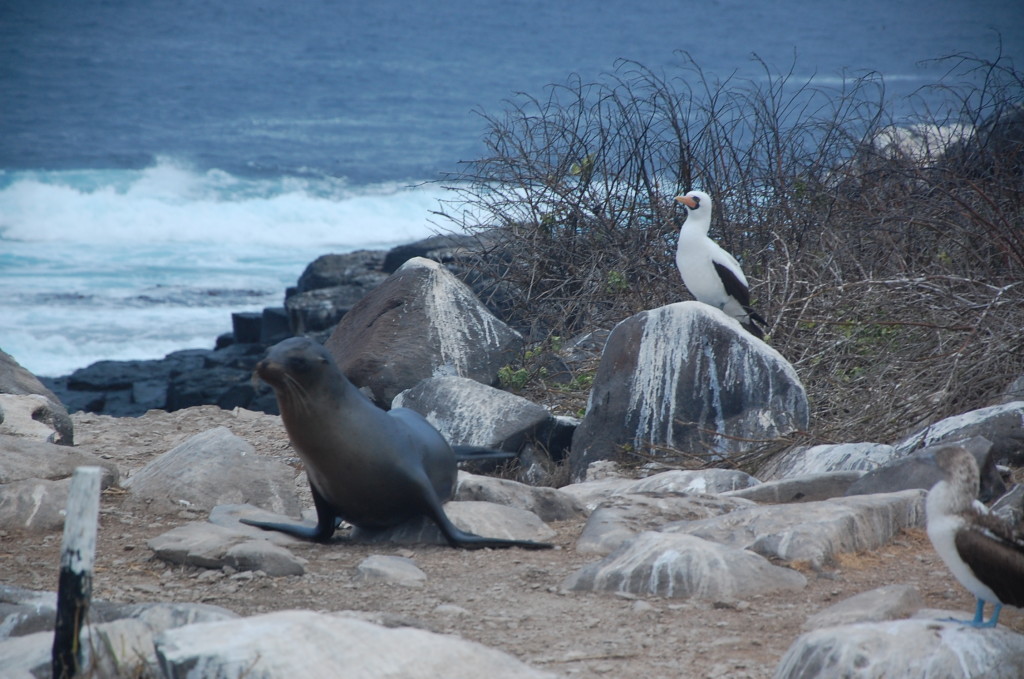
455	329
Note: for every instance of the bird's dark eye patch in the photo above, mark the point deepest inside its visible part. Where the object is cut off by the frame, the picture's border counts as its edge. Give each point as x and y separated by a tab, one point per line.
695	199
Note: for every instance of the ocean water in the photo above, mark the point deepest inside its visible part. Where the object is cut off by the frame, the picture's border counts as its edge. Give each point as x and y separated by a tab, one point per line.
165	163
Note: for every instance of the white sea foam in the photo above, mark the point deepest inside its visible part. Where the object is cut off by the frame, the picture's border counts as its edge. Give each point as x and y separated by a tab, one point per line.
117	264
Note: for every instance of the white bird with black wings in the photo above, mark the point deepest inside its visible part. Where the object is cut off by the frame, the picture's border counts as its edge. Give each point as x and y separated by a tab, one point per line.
711	274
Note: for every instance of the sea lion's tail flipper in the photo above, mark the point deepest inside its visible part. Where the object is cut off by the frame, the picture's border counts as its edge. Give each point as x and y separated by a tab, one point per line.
457	537
477	453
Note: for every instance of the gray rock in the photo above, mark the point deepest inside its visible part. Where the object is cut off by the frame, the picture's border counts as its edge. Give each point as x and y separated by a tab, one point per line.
680	481
912	471
22	458
229	516
421	322
621	517
891	602
467	412
841	457
307	644
31	416
549	504
686	377
394	570
321	309
208	546
34	505
1011	505
904	648
684	566
17	381
806	488
813	531
328	271
117	642
483	518
212	468
1003	425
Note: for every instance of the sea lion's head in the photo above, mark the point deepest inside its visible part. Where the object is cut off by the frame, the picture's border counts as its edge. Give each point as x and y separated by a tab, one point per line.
295	368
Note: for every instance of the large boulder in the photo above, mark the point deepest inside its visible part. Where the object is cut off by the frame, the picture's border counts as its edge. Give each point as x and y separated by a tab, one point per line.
421	322
685	377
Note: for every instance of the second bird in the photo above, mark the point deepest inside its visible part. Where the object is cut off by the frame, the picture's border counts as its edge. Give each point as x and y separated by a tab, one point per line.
711	274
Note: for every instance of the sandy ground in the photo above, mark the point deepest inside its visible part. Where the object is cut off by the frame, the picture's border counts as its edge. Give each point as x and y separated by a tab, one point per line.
511	600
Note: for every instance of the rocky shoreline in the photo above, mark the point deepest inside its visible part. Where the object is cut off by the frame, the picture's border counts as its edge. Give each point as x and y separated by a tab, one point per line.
657	546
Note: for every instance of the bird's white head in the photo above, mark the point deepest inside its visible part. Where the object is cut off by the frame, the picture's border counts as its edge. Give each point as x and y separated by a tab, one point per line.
698	213
696	201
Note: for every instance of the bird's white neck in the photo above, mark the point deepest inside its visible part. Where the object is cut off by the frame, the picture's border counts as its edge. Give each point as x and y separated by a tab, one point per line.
695	227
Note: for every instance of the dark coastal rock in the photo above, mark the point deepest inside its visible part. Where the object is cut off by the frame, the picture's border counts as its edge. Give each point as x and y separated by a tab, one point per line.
422	322
441	248
17	381
362	268
685	377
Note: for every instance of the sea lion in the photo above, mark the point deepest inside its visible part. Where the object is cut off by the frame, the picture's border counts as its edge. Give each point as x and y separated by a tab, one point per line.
372	468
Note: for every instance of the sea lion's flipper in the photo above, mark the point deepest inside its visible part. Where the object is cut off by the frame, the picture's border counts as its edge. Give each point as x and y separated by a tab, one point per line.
327	521
457	537
476	453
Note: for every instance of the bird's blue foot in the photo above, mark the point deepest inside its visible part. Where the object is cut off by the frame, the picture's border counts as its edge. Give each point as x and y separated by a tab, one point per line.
979	616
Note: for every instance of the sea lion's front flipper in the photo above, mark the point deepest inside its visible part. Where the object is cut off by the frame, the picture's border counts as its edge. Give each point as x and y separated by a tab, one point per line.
327	521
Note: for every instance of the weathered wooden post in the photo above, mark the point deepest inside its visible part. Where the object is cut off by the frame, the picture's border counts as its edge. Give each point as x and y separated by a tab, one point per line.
74	590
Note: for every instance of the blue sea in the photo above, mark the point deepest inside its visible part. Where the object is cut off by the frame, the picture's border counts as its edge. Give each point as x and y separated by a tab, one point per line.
166	163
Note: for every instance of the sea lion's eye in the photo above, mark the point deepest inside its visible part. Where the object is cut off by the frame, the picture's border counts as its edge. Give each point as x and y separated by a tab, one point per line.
298	364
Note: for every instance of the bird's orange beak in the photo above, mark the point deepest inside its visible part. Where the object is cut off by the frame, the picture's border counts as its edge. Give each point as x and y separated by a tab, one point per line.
687	201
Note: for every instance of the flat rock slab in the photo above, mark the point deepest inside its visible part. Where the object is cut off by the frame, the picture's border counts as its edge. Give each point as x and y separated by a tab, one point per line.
684	566
839	457
214	468
905	648
621	517
891	602
814	531
681	482
23	458
806	488
483	518
208	546
394	570
549	504
320	646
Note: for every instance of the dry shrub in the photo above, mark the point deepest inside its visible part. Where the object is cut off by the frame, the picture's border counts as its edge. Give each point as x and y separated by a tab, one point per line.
889	260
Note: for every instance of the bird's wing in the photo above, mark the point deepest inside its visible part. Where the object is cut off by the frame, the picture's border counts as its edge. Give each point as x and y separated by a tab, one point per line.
735	286
995	552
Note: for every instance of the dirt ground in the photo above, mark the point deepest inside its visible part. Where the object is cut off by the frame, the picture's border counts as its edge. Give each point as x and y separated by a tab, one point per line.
511	600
